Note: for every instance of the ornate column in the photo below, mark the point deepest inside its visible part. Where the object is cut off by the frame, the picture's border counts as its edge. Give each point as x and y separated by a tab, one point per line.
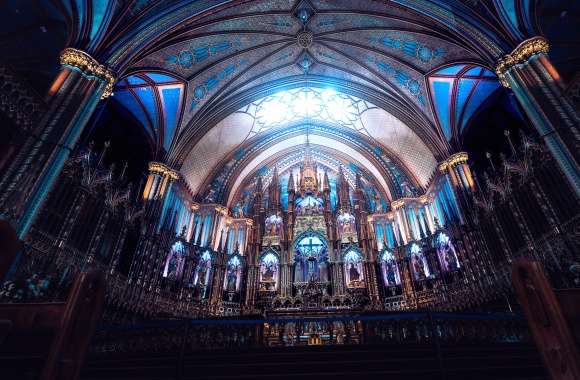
157	186
73	96
461	179
539	89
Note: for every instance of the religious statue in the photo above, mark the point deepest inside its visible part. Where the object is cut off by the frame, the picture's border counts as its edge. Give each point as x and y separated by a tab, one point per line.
311	269
232	280
346	227
391	278
268	274
201	275
238	210
171	271
378	204
418	267
353	273
406	189
446	253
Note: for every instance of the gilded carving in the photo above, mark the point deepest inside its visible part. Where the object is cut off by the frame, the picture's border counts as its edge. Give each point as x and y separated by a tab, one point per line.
89	66
521	54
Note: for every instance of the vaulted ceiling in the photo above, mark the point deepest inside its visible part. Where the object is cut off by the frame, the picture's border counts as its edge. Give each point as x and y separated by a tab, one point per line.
301	59
229	89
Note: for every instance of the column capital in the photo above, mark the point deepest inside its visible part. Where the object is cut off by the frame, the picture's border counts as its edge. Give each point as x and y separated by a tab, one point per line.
89	66
454	159
524	51
395	205
164	170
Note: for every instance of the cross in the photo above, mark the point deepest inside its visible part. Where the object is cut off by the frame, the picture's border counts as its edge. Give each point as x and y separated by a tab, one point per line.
311	246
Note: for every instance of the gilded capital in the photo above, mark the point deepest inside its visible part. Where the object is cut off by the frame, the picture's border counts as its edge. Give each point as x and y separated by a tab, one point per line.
521	54
397	204
89	66
454	159
161	168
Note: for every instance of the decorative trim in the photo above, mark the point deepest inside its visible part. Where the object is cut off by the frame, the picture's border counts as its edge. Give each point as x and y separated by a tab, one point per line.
89	66
521	54
160	168
455	159
223	210
397	204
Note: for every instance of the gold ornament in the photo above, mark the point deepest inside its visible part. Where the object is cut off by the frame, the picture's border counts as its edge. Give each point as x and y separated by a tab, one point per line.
521	54
454	159
398	203
160	168
89	66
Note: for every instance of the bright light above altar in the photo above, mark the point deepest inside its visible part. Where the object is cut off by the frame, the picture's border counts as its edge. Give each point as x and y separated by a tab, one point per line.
316	104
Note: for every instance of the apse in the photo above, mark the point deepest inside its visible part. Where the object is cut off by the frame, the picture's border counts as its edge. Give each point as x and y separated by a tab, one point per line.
273	119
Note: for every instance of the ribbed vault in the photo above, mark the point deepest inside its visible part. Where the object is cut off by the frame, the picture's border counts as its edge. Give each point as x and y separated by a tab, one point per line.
378	57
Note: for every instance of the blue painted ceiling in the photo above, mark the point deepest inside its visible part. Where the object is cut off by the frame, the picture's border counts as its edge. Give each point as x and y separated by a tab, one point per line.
155	100
457	92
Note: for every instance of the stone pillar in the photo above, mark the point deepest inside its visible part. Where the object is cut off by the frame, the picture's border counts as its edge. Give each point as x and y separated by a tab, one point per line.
539	89
461	179
157	186
73	97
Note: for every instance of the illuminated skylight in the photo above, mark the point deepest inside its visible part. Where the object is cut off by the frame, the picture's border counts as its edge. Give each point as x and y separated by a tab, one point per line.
314	104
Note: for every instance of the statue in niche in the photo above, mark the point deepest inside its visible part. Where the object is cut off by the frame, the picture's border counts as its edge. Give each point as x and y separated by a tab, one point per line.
391	278
273	224
451	260
446	252
406	190
346	227
231	280
172	267
417	264
210	196
312	269
378	204
268	272
353	273
201	275
238	210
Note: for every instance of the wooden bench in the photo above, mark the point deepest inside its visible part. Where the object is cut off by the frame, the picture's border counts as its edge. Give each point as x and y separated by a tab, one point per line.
48	341
553	317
